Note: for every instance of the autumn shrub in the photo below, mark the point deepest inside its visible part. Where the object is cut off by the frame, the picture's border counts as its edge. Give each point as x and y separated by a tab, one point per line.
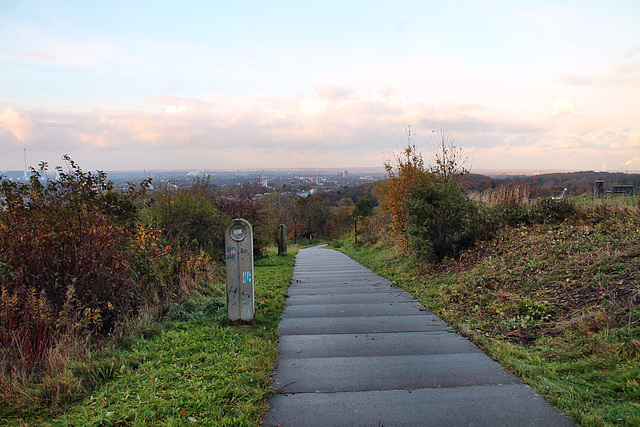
406	173
73	233
67	265
431	214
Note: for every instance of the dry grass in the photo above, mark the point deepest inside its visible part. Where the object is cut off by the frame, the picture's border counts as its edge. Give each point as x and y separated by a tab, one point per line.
508	195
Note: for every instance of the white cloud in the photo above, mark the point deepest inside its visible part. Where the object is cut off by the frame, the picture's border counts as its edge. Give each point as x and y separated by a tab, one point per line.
14	121
328	126
176	109
622	75
563	106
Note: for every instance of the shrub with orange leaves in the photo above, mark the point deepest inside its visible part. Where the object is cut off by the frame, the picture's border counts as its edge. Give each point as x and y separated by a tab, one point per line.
406	173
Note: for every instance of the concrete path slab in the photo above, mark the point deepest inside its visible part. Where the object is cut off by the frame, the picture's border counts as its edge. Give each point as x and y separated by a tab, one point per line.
411	308
342	279
357	351
343	288
360	325
462	406
349	298
374	344
331	374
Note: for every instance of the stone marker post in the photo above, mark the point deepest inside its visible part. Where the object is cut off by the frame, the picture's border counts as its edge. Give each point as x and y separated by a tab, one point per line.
282	240
598	189
238	236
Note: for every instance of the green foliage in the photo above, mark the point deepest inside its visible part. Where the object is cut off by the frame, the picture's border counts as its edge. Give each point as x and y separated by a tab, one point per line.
187	219
346	202
511	206
530	312
337	243
430	211
364	207
547	210
442	220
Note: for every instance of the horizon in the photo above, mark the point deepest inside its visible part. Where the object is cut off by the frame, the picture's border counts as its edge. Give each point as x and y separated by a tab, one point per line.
253	85
361	169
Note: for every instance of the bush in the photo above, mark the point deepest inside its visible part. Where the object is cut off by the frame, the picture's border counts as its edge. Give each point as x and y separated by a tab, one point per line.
406	172
547	210
187	219
442	220
73	234
67	260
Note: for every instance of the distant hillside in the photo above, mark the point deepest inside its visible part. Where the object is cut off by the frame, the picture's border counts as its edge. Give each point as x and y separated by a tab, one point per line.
551	183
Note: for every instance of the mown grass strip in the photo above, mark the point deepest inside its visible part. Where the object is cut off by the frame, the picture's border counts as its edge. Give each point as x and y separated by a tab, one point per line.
195	369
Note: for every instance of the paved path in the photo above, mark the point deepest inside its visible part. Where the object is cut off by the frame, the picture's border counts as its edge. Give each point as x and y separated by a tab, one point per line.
356	351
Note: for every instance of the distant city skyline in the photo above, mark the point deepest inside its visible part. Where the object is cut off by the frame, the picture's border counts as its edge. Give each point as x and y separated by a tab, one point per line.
530	85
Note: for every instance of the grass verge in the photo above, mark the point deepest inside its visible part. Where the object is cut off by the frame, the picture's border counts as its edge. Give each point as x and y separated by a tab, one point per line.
556	304
192	369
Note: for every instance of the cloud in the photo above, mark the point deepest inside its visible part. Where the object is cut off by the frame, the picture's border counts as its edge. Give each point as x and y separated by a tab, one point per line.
563	106
328	126
621	75
16	122
634	51
176	109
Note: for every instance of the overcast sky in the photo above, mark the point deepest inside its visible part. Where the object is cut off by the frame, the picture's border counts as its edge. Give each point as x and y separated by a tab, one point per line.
139	85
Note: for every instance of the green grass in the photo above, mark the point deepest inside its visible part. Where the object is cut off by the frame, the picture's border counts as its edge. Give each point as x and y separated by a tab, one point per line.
556	304
193	369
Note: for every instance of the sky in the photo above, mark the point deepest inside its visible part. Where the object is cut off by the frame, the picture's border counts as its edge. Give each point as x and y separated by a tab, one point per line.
146	85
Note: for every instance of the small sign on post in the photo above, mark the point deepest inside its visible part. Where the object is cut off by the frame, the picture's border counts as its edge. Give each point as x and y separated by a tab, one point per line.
282	240
238	236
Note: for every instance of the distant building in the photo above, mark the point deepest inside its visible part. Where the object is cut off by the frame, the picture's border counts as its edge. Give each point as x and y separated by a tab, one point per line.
344	175
264	182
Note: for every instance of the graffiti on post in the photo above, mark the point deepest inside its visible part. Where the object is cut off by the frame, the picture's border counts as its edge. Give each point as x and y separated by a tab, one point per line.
239	265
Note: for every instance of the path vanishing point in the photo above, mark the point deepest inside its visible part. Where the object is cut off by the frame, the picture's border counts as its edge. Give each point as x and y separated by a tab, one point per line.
357	351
